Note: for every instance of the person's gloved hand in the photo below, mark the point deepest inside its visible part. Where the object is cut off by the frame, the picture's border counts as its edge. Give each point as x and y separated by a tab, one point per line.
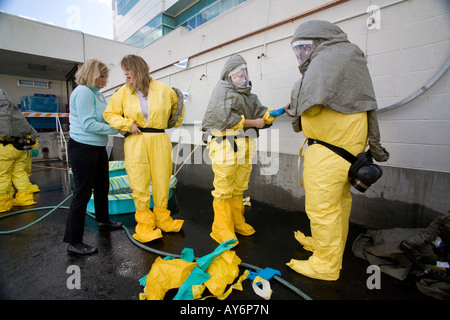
34	152
277	112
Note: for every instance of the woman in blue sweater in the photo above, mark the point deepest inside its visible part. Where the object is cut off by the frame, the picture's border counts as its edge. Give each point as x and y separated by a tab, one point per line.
87	154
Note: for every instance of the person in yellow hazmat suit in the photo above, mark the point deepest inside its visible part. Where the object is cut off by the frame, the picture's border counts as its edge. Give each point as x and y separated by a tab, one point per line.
231	123
335	103
145	108
16	137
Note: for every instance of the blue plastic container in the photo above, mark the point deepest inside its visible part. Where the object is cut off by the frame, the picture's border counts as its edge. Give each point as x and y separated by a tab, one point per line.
122	202
45	103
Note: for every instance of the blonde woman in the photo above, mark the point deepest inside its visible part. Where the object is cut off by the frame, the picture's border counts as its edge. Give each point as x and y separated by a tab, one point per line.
87	154
144	108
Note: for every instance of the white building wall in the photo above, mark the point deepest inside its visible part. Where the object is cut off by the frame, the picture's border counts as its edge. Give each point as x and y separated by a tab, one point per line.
410	46
28	36
40	39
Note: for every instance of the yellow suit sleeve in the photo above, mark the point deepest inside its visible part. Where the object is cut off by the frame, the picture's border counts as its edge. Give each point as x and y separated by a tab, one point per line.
114	111
240	124
268	119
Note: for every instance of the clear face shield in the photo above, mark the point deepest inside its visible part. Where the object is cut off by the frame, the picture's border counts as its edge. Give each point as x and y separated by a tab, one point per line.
239	76
302	49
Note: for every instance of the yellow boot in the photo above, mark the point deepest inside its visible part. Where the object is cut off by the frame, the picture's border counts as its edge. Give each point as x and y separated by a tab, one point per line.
306	242
223	227
23	198
317	268
34	188
6	202
145	228
326	260
238	209
165	222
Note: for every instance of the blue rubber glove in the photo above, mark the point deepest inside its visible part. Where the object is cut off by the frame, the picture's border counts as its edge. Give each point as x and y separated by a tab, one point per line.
266	274
34	152
277	112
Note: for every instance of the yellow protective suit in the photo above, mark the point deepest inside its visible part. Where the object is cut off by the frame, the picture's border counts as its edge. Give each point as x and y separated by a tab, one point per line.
231	176
13	164
327	188
148	156
165	275
231	103
223	270
33	187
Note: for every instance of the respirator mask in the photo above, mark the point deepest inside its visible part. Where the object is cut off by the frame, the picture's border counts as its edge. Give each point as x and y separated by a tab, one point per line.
22	143
239	76
302	49
363	172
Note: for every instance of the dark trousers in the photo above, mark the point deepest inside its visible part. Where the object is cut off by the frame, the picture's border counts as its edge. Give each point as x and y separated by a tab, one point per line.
90	169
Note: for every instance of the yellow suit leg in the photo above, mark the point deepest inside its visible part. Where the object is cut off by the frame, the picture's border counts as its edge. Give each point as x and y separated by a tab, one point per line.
6	165
242	176
346	206
138	171
231	176
224	166
238	210
327	204
223	227
19	177
33	187
159	150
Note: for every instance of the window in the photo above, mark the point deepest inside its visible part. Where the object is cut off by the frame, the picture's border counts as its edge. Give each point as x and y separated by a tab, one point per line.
200	12
123	6
147	34
34	84
210	12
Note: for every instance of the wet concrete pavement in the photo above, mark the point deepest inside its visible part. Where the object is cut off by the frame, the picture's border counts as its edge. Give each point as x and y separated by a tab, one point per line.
34	262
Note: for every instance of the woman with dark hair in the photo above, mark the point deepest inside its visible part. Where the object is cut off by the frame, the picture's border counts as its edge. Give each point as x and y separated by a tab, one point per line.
145	108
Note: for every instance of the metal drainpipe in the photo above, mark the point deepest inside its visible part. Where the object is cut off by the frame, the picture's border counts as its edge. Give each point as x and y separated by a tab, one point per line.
419	92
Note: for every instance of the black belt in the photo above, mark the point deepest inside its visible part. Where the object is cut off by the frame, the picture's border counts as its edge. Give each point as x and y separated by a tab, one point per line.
151	130
340	151
231	140
148	130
